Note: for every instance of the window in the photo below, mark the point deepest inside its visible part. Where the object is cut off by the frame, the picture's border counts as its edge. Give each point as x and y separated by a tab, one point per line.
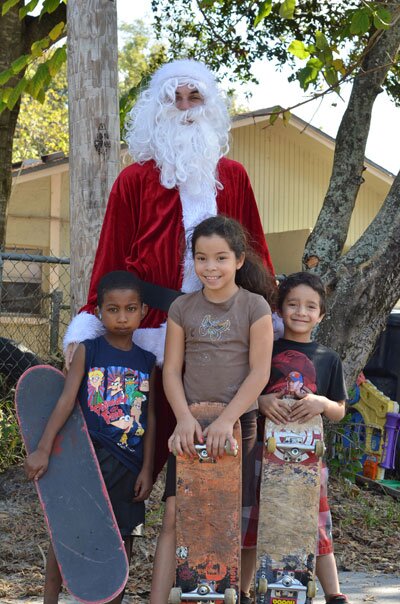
21	284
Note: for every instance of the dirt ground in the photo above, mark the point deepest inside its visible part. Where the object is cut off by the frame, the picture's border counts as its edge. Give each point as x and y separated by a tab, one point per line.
366	535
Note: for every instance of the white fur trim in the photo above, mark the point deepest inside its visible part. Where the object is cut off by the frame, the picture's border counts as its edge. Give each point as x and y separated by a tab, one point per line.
183	68
195	208
84	326
153	340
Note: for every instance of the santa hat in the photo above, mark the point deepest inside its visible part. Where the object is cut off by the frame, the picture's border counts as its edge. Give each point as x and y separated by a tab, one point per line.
183	68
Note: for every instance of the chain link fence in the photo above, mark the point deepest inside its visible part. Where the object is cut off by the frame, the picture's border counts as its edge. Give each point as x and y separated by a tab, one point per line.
34	313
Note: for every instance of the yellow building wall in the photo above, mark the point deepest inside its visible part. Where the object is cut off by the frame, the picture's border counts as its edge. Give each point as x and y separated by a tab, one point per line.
290	172
36	203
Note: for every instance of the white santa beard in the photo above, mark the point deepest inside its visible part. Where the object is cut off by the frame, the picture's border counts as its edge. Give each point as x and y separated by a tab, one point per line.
187	149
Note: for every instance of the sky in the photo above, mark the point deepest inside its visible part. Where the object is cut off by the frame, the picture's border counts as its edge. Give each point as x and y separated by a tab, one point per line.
383	146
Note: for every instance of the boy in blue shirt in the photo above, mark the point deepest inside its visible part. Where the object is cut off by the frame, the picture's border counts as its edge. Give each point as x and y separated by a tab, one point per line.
112	379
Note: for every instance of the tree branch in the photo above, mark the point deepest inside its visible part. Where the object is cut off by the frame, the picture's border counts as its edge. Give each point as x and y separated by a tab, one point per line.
326	242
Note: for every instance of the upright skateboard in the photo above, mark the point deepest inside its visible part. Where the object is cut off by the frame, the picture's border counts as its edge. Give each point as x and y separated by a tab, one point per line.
288	517
208	521
77	510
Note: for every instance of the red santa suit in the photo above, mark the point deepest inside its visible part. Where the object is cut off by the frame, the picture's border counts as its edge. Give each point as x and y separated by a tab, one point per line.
144	231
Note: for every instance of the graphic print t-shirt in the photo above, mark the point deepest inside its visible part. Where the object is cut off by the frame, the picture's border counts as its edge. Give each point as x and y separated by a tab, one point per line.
217	341
301	367
114	398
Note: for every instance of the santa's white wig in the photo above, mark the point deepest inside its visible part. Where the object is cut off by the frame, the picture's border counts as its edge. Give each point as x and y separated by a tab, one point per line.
186	145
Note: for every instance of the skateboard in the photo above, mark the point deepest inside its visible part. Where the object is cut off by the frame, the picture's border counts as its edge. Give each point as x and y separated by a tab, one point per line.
288	515
76	506
208	520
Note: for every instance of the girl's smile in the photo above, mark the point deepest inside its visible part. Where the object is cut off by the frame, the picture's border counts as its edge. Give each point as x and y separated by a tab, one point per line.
216	265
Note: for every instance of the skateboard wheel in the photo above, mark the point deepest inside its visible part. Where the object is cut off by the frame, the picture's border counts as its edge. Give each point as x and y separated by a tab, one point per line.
175	596
319	448
262	585
230	596
271	444
311	589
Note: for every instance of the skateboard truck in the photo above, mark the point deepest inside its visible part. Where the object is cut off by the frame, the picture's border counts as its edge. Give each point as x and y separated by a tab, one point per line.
203	455
294	449
203	593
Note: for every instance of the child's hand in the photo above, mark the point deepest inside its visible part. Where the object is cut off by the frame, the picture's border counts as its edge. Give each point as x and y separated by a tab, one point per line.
306	408
143	485
216	435
183	437
36	464
274	408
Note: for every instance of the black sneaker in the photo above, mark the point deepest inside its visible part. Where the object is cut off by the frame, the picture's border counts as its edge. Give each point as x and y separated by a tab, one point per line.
245	599
337	599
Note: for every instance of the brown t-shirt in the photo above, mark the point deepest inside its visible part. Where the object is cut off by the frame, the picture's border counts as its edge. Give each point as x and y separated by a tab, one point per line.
217	340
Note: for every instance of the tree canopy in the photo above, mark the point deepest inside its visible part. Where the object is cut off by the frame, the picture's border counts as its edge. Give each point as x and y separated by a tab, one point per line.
329	37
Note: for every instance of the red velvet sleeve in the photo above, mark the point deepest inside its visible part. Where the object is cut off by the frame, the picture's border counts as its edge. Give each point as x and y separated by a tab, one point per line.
117	233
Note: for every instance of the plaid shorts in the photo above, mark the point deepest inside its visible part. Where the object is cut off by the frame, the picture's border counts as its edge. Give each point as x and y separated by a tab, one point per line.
250	515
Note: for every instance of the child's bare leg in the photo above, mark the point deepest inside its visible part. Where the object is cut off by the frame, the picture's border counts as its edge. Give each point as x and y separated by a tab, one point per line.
247	570
164	559
53	580
326	572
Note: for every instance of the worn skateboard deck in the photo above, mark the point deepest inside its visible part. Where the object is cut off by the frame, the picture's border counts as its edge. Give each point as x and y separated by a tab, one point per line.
288	517
76	506
208	521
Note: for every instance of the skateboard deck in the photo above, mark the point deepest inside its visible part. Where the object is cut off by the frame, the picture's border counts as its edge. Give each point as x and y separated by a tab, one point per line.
288	516
76	506
208	521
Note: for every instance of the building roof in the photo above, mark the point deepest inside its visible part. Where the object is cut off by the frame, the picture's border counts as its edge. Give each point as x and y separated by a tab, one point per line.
242	119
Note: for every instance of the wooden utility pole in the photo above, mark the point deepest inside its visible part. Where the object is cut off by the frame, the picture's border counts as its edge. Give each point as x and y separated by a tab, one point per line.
94	157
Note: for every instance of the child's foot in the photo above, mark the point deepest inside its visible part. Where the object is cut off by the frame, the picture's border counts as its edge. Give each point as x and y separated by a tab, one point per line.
245	599
337	599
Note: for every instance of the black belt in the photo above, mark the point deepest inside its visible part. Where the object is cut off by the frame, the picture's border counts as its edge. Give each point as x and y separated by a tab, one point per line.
158	296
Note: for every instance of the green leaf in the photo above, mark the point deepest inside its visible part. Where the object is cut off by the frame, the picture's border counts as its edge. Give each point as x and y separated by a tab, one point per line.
57	60
286	10
275	114
339	66
5	76
320	41
7	5
57	30
38	46
28	7
20	63
382	18
331	76
16	93
309	73
5	94
39	80
49	6
298	49
286	115
360	22
263	11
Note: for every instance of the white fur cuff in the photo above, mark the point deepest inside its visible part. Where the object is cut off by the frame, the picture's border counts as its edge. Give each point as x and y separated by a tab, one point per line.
83	327
153	340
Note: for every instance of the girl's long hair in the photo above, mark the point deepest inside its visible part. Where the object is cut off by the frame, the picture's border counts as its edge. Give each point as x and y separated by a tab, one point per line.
253	275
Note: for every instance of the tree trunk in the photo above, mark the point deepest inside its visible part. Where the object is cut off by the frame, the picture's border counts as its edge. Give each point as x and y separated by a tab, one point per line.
328	237
364	284
94	129
11	47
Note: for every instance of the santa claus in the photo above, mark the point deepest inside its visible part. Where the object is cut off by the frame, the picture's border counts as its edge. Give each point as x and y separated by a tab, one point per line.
178	135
